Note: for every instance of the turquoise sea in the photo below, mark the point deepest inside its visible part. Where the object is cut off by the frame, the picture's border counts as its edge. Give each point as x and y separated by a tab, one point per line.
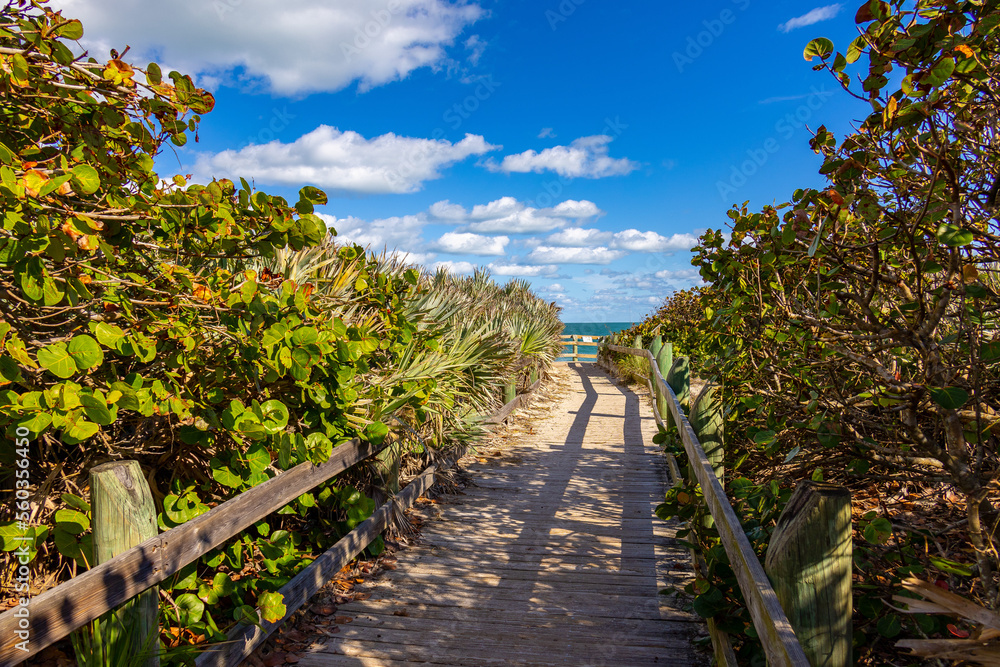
591	329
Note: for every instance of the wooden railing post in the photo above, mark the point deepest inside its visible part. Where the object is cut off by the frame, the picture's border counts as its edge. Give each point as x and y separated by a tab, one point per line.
664	360
123	517
509	392
809	563
576	349
679	379
655	345
708	424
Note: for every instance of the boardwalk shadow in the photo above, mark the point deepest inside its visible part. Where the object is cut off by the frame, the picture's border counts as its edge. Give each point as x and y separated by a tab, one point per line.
552	556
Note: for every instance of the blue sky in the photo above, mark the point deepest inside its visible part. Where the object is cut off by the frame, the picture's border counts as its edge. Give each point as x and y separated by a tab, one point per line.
581	144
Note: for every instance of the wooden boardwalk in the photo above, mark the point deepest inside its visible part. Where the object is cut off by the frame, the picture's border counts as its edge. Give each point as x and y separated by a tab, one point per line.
553	557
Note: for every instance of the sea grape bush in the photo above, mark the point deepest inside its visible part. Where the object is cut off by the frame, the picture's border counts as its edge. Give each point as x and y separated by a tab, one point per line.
216	333
859	319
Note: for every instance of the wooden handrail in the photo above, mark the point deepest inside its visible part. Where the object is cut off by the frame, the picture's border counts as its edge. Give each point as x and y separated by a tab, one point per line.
69	606
775	631
59	611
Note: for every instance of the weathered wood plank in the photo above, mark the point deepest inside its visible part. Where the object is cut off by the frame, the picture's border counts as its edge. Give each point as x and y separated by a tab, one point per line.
71	605
243	639
124	516
769	619
501	575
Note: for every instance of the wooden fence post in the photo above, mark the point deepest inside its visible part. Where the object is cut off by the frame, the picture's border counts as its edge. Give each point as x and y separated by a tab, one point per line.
708	424
809	562
576	350
679	379
664	360
123	517
655	345
654	349
509	392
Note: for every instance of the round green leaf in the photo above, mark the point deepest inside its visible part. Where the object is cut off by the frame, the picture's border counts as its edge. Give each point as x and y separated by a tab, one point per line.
57	360
272	607
821	47
97	409
86	352
190	607
275	415
939	73
86	180
953	236
109	334
72	29
949	398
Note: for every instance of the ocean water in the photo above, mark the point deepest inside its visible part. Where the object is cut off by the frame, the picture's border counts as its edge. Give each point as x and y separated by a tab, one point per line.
590	329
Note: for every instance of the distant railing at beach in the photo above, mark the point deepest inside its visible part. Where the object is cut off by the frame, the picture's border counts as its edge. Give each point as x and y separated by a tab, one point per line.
575	342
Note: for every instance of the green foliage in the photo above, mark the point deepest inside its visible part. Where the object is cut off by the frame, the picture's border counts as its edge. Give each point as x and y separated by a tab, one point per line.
215	333
857	321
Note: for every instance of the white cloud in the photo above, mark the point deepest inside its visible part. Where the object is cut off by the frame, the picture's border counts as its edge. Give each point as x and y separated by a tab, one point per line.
636	241
587	157
472	244
445	210
344	161
414	258
508	215
546	133
679	274
297	48
476	47
454	267
631	240
575	209
815	16
397	233
521	271
578	238
549	254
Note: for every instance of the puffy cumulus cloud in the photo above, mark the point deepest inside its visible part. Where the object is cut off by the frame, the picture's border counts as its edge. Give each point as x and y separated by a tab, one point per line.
587	157
304	47
454	267
636	241
508	215
556	255
401	233
344	161
420	259
577	210
809	18
679	274
522	271
577	237
631	240
472	244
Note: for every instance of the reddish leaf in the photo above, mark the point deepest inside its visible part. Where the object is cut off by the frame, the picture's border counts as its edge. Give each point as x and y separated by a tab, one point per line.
961	634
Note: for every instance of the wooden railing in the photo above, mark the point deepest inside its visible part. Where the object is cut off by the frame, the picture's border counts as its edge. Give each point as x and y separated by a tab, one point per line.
575	342
56	613
773	627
